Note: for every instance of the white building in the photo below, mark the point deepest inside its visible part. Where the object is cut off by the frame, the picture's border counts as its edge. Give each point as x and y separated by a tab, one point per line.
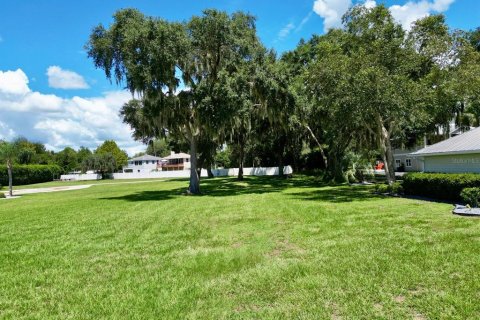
177	161
406	159
144	164
459	154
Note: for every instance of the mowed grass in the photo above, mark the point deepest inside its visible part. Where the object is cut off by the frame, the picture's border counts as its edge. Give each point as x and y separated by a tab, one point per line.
57	183
260	249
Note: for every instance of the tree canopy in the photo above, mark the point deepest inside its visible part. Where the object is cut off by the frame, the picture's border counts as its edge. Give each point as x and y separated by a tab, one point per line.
178	73
352	94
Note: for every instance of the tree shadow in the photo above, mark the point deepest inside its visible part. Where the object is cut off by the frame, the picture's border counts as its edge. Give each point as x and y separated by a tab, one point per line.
339	194
149	195
221	187
230	186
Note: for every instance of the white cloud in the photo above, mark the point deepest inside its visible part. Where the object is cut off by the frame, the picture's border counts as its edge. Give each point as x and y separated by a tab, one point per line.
441	5
369	4
13	82
286	31
15	94
6	133
65	79
412	11
331	11
304	21
59	122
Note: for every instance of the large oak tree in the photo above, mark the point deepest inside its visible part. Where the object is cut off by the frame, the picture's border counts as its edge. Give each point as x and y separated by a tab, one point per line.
176	72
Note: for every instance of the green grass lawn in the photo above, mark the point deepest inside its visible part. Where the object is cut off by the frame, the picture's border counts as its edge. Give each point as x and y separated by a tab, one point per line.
264	248
76	183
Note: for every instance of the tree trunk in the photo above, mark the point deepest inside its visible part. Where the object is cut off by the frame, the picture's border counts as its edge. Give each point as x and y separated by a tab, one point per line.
194	187
280	165
322	152
240	162
335	170
280	158
387	155
210	173
10	178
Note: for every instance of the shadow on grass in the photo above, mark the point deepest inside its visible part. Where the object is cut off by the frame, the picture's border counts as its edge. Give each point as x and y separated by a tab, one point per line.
217	187
149	195
339	194
225	187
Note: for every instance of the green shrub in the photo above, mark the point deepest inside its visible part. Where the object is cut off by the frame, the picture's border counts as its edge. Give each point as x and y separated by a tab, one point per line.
2	195
443	186
28	174
382	188
471	196
397	188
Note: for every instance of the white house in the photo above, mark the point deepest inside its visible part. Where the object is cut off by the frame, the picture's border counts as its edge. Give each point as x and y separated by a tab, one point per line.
177	161
459	154
406	159
144	164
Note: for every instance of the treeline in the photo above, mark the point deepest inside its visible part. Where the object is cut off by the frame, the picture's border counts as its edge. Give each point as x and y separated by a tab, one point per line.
108	157
339	100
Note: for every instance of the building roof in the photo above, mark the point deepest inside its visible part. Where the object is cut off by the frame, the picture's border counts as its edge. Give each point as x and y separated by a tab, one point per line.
145	157
468	142
180	155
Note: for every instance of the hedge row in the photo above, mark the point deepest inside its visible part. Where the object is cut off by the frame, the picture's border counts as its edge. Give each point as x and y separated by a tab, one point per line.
443	186
28	174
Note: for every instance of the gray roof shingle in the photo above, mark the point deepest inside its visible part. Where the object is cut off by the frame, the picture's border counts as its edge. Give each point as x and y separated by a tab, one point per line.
468	142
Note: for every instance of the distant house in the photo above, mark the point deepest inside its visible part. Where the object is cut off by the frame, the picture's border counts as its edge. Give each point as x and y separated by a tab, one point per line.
405	159
177	161
459	154
143	164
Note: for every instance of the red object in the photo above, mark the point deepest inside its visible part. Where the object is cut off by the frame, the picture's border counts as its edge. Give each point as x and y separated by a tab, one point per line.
379	166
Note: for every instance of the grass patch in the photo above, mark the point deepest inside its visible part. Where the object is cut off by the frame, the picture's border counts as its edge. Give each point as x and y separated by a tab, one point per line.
262	248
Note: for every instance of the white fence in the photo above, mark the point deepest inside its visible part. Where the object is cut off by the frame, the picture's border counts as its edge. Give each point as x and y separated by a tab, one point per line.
81	177
155	174
260	171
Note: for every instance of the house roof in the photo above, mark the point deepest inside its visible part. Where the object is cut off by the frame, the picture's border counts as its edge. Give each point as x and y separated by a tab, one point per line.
468	142
180	155
145	157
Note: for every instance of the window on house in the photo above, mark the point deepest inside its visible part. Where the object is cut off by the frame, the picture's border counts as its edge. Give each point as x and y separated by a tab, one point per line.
408	162
398	163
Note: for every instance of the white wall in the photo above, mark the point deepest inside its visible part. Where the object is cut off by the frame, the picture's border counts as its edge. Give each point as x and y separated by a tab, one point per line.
261	171
155	174
460	163
81	177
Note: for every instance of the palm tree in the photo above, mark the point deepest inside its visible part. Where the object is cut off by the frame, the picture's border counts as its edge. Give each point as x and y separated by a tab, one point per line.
8	153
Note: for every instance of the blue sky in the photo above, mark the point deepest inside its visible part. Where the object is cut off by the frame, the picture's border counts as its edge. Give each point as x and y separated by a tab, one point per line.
52	93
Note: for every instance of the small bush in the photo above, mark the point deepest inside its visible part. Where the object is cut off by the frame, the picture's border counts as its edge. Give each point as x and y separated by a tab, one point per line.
397	188
382	188
443	186
471	196
2	195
